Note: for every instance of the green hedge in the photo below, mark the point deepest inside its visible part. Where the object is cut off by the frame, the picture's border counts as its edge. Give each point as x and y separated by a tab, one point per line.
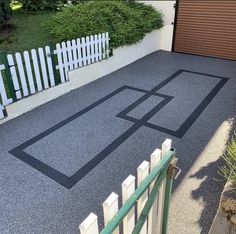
127	23
5	10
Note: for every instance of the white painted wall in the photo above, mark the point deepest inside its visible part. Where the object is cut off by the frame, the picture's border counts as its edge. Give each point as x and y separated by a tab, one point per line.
166	8
121	57
156	40
168	11
166	37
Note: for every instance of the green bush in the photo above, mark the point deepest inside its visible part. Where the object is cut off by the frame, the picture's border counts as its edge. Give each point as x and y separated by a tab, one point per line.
228	171
5	10
126	22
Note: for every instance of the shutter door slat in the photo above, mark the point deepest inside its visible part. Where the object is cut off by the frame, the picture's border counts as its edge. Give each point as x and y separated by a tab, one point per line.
206	27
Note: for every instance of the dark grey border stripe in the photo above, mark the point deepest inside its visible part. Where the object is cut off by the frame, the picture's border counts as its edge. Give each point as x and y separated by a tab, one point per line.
193	116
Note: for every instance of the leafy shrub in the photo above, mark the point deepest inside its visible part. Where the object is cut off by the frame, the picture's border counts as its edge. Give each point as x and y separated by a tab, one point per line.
127	23
5	10
42	5
228	171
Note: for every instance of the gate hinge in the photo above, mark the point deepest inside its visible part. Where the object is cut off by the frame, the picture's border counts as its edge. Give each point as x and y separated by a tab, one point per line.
174	171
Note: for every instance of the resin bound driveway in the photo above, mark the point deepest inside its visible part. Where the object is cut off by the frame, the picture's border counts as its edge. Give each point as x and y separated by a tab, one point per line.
60	161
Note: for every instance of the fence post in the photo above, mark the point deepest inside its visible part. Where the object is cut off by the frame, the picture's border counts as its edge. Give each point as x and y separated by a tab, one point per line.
169	182
3	57
3	111
166	204
110	49
51	46
110	52
165	147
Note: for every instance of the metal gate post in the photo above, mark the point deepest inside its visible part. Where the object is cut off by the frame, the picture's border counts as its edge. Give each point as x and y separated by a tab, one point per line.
168	189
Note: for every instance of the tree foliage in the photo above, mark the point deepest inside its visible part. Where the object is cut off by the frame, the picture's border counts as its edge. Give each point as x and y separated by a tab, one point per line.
42	5
5	10
126	22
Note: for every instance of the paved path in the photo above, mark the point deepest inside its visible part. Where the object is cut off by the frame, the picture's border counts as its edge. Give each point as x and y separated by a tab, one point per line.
60	161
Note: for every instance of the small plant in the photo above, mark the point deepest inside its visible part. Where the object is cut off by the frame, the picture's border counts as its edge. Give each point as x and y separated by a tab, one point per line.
228	171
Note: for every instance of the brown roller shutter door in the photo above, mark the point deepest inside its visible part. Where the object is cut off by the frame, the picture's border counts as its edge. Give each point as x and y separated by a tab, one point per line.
206	27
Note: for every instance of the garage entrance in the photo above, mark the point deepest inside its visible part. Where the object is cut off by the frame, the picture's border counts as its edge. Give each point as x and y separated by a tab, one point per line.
206	27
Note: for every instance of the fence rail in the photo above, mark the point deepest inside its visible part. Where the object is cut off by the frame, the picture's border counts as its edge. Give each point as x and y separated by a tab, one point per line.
24	74
148	197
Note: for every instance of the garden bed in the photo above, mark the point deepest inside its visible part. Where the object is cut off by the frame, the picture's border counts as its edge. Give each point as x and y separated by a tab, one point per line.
225	219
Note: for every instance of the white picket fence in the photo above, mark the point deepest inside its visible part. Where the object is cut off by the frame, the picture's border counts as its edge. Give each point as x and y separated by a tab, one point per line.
81	52
153	224
35	70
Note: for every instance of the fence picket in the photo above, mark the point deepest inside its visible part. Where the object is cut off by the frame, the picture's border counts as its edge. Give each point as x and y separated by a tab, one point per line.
43	68
90	225
100	46
110	208
60	62
88	50
92	48
65	59
152	217
84	56
103	45
128	187
36	70
96	48
107	44
50	66
14	75
1	112
75	56
79	47
142	172
22	74
29	71
166	145
3	94
69	52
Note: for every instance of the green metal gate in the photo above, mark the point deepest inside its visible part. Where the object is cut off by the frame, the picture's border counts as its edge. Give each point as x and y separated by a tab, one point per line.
162	175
